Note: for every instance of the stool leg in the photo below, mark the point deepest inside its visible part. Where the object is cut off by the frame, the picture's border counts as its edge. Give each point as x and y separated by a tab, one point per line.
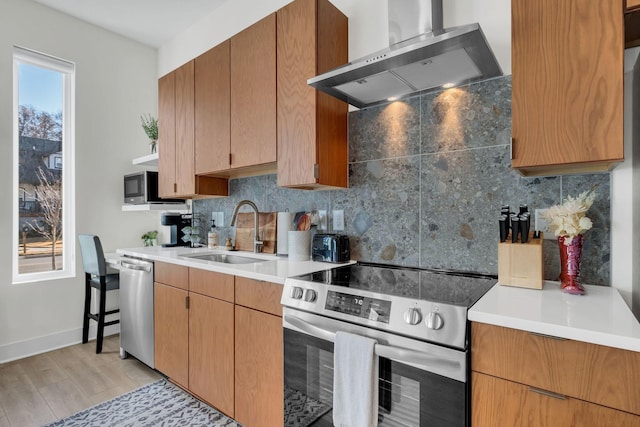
103	297
87	307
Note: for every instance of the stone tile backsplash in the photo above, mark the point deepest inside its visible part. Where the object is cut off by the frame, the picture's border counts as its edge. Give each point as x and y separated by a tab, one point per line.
427	178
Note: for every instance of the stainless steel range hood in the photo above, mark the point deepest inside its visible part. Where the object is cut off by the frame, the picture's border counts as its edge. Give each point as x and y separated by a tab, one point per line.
421	56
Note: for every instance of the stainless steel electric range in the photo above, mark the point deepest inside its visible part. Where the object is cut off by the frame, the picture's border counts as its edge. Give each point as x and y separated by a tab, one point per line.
418	318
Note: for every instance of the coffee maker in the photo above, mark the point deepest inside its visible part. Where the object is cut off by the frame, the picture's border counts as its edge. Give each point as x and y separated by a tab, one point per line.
176	221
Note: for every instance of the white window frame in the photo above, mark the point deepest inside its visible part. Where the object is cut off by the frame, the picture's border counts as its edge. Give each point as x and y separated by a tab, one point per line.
67	68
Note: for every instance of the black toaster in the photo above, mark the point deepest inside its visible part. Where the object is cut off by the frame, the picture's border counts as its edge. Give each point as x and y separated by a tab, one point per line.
330	248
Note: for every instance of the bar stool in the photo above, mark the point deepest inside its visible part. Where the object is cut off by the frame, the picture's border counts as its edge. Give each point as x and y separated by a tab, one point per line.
96	276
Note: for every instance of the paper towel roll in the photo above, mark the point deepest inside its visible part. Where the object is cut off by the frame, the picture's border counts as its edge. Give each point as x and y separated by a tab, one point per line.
285	224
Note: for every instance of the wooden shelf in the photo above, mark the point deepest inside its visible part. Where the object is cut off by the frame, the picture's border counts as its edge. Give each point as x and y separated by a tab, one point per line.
156	207
148	160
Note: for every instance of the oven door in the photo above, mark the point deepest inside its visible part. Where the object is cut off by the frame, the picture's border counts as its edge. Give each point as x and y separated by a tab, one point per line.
420	384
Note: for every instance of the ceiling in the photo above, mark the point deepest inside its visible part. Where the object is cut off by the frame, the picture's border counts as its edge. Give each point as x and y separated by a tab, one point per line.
151	22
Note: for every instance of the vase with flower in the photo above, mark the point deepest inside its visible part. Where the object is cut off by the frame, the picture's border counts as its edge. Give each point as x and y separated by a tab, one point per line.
568	222
150	127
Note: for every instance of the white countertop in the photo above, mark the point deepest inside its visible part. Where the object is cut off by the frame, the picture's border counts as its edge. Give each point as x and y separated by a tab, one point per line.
599	317
275	269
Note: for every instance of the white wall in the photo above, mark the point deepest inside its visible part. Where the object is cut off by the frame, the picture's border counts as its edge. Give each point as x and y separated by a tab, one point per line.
622	206
368	29
115	84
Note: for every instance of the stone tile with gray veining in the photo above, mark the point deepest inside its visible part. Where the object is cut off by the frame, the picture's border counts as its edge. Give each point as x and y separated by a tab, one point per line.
382	210
472	116
439	209
389	131
461	196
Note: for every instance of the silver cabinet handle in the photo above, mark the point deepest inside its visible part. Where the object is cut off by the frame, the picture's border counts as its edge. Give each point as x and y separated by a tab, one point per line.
536	334
397	353
547	393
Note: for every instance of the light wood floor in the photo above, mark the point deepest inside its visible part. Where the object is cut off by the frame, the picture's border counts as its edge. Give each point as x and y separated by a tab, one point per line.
44	388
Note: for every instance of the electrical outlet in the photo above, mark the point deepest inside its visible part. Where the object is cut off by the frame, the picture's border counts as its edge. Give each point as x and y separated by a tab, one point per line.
338	220
541	224
322	220
218	217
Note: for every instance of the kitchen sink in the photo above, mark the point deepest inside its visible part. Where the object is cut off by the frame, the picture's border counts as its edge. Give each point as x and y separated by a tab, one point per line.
226	258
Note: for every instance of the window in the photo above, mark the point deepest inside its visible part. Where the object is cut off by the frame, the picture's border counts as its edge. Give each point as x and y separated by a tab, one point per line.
43	167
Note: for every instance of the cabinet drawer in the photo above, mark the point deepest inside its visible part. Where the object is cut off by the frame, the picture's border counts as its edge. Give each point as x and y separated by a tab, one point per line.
590	372
497	402
263	296
172	274
211	283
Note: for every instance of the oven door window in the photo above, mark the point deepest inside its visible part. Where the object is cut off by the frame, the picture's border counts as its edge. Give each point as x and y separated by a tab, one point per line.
407	396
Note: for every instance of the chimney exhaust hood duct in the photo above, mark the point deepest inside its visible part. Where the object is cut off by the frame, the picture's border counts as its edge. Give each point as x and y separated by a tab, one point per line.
421	56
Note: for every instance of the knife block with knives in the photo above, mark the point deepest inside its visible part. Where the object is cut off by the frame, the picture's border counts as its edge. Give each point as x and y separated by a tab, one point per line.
521	264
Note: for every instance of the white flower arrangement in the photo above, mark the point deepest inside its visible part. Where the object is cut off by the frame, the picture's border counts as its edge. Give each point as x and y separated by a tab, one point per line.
569	219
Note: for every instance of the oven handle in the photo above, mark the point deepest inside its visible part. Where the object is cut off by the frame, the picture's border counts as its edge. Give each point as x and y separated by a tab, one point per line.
400	354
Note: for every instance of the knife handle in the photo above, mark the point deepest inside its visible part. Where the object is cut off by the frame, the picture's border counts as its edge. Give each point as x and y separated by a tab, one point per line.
515	227
504	231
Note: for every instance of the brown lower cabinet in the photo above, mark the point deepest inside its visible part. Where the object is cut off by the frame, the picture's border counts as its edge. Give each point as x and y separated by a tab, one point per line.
498	402
259	378
211	351
259	354
194	333
220	337
525	379
171	332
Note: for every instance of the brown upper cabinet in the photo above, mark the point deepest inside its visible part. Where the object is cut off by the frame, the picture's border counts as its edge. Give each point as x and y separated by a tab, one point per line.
253	95
567	66
312	126
176	119
212	110
251	111
632	4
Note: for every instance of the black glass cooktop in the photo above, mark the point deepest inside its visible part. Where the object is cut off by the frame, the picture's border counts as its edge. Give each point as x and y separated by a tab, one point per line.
442	286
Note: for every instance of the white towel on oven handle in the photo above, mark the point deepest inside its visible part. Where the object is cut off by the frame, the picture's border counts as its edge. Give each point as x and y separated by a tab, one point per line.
355	381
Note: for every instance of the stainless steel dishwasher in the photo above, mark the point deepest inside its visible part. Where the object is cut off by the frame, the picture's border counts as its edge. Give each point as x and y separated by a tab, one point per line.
136	309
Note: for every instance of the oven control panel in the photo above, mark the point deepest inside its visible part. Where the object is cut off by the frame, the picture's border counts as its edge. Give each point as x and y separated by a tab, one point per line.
373	309
411	317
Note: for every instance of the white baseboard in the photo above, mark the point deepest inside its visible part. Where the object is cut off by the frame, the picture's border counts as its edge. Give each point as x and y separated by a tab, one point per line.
31	347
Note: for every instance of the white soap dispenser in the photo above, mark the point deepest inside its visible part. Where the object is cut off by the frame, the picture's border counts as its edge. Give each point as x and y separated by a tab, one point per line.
213	237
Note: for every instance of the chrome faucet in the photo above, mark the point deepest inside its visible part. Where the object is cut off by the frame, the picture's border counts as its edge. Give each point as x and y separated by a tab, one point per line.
257	243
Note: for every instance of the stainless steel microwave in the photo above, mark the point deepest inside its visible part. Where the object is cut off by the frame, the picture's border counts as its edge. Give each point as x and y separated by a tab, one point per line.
142	187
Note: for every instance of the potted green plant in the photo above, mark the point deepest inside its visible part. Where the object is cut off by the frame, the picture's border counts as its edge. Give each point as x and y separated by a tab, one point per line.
150	126
150	238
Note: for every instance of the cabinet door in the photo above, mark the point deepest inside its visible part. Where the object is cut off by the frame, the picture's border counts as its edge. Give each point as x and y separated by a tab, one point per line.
185	168
253	94
211	351
312	126
212	110
171	333
297	50
259	373
172	275
166	135
497	402
567	63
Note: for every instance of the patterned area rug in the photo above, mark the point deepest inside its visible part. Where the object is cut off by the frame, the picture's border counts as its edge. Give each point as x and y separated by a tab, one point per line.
301	410
157	404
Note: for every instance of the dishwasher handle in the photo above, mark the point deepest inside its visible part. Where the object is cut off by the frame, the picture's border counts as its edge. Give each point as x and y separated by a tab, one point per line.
146	267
